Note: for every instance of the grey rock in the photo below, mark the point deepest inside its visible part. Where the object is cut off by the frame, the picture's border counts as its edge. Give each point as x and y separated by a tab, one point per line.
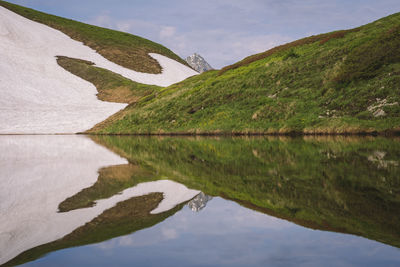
198	63
379	113
199	202
376	109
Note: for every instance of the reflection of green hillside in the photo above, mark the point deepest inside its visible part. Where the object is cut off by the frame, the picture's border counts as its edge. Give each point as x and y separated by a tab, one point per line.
112	180
341	184
126	217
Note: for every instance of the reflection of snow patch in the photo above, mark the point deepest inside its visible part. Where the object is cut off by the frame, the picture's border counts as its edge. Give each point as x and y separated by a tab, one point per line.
38	96
40	172
173	193
37	173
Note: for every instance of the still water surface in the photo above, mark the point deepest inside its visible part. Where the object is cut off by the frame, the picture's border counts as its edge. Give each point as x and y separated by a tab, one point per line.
130	201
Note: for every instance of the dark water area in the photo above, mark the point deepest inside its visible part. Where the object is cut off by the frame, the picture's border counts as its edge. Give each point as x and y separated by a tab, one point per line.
174	201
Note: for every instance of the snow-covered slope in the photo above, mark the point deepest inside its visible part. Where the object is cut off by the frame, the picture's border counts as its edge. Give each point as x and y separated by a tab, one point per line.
39	172
38	96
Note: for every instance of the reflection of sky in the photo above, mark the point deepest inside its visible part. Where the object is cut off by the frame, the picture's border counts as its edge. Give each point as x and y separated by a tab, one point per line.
225	233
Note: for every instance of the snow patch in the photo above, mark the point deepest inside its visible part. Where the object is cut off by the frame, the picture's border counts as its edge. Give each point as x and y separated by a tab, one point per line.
39	96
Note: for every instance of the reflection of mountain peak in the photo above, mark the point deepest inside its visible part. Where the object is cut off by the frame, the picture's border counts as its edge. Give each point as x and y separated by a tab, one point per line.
199	202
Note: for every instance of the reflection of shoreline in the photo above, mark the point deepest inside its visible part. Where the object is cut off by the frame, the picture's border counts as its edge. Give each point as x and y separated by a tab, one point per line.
284	138
39	172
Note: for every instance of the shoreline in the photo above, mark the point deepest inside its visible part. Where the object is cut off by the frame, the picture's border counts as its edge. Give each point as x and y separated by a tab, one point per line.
385	133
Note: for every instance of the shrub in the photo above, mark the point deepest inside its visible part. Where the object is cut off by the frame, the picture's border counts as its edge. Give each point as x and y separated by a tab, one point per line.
291	54
323	38
365	61
337	35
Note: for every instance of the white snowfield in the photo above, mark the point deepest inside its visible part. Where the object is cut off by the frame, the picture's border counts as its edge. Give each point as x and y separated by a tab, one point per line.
39	96
39	172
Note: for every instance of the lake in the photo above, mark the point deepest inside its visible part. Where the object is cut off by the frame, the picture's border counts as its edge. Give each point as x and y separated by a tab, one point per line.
75	200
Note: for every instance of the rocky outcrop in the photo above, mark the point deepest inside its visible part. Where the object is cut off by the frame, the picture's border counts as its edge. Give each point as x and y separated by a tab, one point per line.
199	202
377	108
198	63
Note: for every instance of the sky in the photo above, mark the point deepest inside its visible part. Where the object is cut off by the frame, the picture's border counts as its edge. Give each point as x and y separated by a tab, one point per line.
222	31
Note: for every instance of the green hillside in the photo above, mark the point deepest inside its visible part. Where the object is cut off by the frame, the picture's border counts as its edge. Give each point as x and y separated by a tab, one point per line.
125	49
340	82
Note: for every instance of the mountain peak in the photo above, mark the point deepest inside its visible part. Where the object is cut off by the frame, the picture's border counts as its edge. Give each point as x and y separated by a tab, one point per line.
198	63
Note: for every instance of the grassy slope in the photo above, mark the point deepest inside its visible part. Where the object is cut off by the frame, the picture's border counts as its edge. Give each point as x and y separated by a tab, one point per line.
122	48
339	184
321	84
111	86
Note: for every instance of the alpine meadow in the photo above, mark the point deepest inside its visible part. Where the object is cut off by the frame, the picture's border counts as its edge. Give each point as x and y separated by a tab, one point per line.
200	133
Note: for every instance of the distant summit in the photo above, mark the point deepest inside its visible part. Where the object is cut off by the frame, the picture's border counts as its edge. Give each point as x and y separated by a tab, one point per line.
198	63
199	202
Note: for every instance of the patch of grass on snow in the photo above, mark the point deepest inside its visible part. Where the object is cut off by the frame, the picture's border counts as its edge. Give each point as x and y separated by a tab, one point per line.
111	86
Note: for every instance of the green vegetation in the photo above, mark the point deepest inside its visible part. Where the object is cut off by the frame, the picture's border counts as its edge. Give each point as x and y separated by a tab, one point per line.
348	185
367	60
111	86
322	39
112	180
122	48
335	83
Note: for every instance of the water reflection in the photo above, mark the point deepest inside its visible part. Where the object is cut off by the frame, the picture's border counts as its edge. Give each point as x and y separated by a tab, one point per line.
66	191
341	184
199	202
41	175
227	234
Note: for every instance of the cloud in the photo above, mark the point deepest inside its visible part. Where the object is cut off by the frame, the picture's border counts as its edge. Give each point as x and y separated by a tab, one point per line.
218	46
124	26
222	31
102	21
167	32
222	47
169	233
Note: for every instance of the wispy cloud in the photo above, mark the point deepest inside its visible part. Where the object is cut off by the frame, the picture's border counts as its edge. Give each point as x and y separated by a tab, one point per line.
220	46
167	32
223	31
103	21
